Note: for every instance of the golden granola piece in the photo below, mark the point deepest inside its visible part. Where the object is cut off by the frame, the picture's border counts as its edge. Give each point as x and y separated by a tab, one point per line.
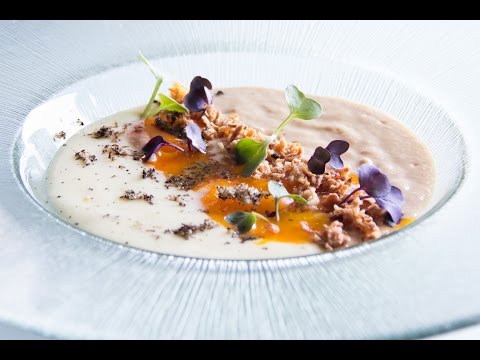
178	92
353	217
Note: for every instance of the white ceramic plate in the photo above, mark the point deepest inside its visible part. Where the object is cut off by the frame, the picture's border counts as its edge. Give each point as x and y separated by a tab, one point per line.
60	281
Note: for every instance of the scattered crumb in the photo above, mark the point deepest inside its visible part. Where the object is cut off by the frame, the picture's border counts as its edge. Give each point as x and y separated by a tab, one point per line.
113	151
136	155
80	122
247	237
243	193
132	195
180	199
85	157
149	173
187	230
60	136
103	132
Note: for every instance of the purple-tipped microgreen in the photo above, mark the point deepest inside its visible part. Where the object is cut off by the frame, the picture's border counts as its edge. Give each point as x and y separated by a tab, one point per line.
330	154
244	221
279	192
194	138
158	83
251	153
155	143
200	94
377	186
169	104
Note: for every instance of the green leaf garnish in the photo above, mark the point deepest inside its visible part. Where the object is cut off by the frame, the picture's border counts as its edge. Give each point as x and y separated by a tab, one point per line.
158	78
300	106
279	192
244	220
252	153
167	103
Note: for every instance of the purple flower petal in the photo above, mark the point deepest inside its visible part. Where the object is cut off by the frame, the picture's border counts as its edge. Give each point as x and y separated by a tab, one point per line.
154	145
337	148
373	181
319	159
392	203
194	136
199	96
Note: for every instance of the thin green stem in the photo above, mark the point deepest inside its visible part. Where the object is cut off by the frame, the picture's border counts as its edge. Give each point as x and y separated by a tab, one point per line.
277	210
261	216
152	98
284	123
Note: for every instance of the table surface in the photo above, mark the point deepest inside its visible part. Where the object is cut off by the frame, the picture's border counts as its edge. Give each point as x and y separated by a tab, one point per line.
8	332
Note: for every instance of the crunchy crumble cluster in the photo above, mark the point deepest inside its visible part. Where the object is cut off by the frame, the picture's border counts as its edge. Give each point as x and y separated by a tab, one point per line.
243	193
284	159
284	163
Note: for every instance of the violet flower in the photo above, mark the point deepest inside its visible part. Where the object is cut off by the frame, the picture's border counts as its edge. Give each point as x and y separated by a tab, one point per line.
194	137
331	155
199	96
377	186
154	145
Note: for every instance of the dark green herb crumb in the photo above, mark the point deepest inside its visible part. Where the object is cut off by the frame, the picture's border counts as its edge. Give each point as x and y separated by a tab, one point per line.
132	195
103	132
149	173
196	173
187	230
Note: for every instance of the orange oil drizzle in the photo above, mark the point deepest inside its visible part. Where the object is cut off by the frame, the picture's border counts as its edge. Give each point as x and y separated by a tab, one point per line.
172	162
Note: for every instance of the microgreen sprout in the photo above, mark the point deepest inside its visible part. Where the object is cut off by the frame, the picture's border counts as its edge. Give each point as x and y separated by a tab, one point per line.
244	221
194	137
154	145
166	102
251	152
331	155
200	94
377	186
158	83
169	104
279	192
